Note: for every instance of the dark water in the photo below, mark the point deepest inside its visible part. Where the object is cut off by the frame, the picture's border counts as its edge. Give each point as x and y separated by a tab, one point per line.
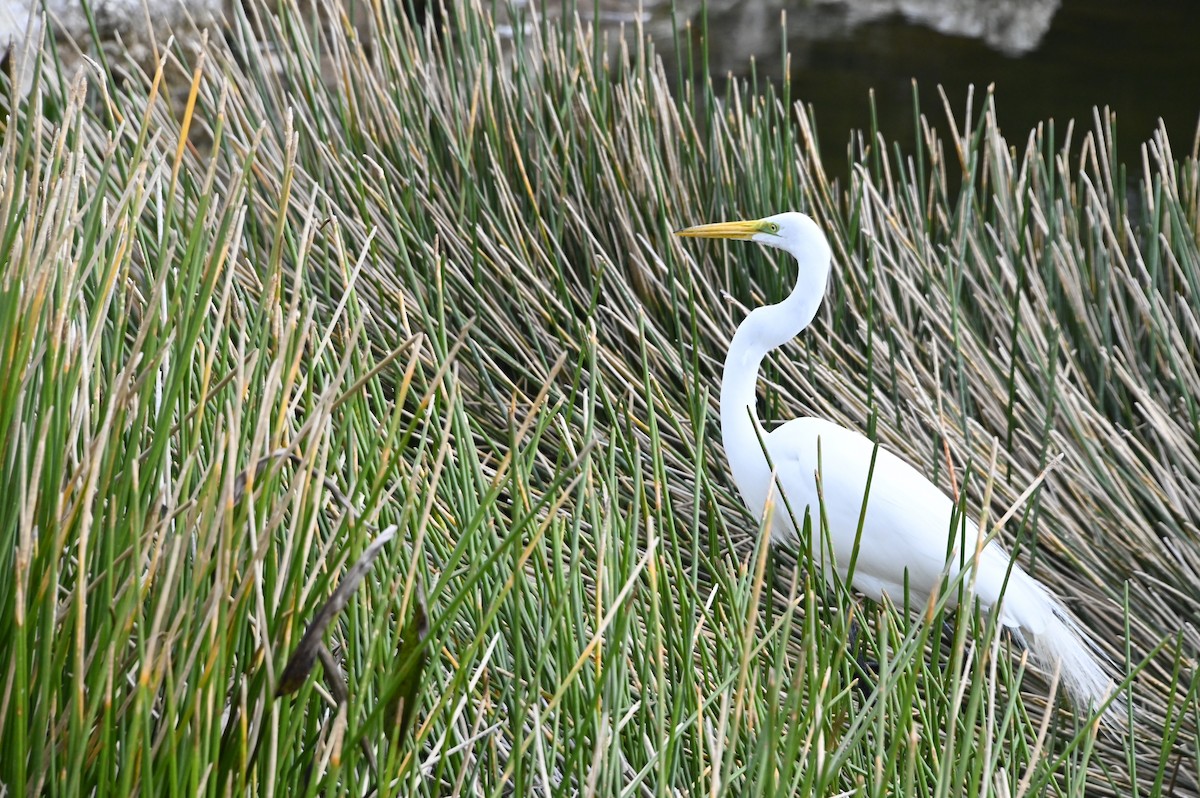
1047	60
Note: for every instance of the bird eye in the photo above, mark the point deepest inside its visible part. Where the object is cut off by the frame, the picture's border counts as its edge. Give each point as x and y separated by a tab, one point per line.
772	228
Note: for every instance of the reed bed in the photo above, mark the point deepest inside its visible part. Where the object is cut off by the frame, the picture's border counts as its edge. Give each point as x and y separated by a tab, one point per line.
392	280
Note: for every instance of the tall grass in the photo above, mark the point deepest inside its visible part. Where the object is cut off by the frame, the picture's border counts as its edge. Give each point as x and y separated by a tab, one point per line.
426	279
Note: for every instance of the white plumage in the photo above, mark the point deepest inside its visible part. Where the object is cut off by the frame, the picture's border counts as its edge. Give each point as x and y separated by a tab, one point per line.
906	530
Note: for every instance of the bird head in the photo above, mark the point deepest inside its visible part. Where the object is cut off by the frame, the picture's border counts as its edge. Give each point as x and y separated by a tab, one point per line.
791	231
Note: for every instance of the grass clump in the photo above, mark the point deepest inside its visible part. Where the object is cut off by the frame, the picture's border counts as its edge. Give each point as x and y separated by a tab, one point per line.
427	282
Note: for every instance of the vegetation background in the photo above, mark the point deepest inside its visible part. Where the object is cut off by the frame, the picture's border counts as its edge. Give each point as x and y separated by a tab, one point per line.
418	288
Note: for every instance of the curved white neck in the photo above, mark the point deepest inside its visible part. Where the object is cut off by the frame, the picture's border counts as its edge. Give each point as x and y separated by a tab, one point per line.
764	329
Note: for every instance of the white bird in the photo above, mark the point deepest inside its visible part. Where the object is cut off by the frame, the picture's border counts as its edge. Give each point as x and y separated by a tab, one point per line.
907	523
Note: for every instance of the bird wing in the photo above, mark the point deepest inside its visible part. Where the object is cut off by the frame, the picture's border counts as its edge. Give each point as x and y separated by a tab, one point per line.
906	529
907	540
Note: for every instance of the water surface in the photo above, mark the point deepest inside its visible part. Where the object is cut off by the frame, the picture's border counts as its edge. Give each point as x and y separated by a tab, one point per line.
1047	59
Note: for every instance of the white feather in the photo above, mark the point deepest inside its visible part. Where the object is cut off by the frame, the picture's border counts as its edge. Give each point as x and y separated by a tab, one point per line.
906	537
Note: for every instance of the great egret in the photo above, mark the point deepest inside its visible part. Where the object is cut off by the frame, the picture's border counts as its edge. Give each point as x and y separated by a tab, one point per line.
907	520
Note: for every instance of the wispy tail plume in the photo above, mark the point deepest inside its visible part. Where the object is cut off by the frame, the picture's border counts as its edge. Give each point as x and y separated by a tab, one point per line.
1056	641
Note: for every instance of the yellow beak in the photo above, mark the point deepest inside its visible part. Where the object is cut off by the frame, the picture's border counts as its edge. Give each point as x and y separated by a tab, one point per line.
739	230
